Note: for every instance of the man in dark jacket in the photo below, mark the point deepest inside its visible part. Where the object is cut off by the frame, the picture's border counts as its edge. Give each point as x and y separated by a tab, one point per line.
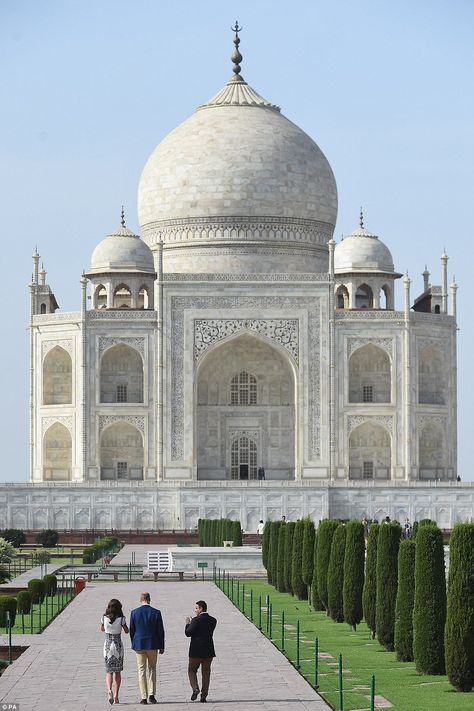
201	648
148	638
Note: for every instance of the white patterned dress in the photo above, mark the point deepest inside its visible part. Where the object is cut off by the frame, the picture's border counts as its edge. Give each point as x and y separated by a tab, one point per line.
113	647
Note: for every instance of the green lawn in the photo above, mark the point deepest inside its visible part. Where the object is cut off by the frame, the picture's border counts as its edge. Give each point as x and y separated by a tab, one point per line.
397	681
36	621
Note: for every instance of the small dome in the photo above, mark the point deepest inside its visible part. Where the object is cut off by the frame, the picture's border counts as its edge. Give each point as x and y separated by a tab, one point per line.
362	251
122	251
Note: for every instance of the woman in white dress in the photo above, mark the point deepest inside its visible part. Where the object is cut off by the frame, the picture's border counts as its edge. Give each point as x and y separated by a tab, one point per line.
112	623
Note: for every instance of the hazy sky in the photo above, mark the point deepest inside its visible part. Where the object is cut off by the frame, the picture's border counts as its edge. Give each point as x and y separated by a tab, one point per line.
88	88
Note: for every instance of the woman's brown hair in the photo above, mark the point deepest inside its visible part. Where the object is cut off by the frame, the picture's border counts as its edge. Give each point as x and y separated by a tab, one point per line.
114	610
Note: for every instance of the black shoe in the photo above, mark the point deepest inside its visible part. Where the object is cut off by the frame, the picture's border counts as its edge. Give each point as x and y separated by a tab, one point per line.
152	700
203	700
194	695
143	701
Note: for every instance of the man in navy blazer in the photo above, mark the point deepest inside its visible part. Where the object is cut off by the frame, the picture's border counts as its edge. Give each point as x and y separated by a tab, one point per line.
201	648
148	638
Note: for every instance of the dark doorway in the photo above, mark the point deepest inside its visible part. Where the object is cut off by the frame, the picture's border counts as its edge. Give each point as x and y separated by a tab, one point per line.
244	471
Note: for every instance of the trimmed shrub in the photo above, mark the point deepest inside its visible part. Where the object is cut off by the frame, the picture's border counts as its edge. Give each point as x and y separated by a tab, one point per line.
325	533
308	552
459	630
274	550
7	604
315	601
199	527
236	533
48	538
50	584
7	551
405	601
354	561
23	602
336	574
4	574
36	588
369	594
290	534
388	544
299	587
14	536
99	548
280	578
429	611
266	544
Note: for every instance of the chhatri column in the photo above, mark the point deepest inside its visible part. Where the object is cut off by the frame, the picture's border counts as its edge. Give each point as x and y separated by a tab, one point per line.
84	388
332	365
444	283
159	361
407	378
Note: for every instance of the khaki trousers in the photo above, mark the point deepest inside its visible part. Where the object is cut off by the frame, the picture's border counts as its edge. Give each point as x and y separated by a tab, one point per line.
193	666
146	664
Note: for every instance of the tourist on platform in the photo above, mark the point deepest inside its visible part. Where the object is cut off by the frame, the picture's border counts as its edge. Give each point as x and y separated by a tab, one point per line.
112	623
260	528
148	638
201	648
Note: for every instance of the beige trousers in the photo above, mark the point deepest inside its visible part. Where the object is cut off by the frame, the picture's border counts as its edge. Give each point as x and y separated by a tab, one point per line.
146	664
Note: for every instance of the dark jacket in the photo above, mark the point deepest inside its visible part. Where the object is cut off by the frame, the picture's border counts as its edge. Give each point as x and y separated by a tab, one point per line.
146	628
201	629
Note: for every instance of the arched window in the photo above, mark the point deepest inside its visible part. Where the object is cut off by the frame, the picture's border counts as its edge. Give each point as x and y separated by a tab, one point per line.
387	291
243	459
364	297
243	389
43	309
57	453
369	375
369	452
342	298
121	375
122	297
437	309
431	377
431	452
100	297
121	452
143	298
57	377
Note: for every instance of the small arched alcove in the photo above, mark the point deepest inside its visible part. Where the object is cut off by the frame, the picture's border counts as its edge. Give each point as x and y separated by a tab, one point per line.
121	452
369	452
121	375
369	375
57	453
57	377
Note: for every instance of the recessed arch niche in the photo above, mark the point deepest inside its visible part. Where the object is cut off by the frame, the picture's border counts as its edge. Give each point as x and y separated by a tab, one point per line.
57	453
369	452
57	377
369	375
121	452
121	375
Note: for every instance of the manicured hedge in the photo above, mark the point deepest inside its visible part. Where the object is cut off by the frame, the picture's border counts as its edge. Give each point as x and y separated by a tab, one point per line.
354	561
214	531
459	630
37	589
280	578
99	549
315	601
387	577
236	533
23	602
265	544
14	536
50	584
299	587
369	594
290	533
335	577
308	552
275	529
7	604
325	533
429	611
48	538
405	601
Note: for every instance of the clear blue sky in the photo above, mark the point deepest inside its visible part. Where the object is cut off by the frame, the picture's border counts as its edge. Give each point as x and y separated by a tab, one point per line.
89	87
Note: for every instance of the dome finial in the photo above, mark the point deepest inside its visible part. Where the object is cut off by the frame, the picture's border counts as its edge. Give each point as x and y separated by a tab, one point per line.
236	56
361	218
122	217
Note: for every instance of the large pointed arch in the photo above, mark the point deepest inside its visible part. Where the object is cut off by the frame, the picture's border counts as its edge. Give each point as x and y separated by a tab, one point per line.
121	375
370	452
369	375
57	377
57	453
121	452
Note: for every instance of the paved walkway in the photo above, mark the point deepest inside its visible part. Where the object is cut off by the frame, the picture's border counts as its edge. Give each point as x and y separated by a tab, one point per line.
63	670
124	555
25	577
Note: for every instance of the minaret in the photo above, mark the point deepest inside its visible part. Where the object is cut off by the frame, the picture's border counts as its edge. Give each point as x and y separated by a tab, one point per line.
444	283
453	287
332	365
42	275
35	280
407	378
426	279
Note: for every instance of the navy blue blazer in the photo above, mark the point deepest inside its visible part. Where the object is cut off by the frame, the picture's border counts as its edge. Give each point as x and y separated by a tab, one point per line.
146	628
200	629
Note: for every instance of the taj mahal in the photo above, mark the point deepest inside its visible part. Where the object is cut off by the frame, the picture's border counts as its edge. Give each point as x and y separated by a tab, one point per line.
234	359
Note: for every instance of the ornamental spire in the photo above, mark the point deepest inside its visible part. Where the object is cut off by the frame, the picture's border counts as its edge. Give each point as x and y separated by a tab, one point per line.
236	56
122	217
361	219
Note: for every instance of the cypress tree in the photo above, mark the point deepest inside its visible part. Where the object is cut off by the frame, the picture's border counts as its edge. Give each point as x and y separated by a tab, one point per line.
290	532
354	561
326	531
315	601
308	552
459	631
265	544
369	594
280	579
387	576
229	530
274	551
220	531
429	611
405	601
336	574
200	531
298	585
215	531
236	533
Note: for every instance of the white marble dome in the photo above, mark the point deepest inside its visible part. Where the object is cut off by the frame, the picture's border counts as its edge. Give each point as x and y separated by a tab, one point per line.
240	183
122	251
362	251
